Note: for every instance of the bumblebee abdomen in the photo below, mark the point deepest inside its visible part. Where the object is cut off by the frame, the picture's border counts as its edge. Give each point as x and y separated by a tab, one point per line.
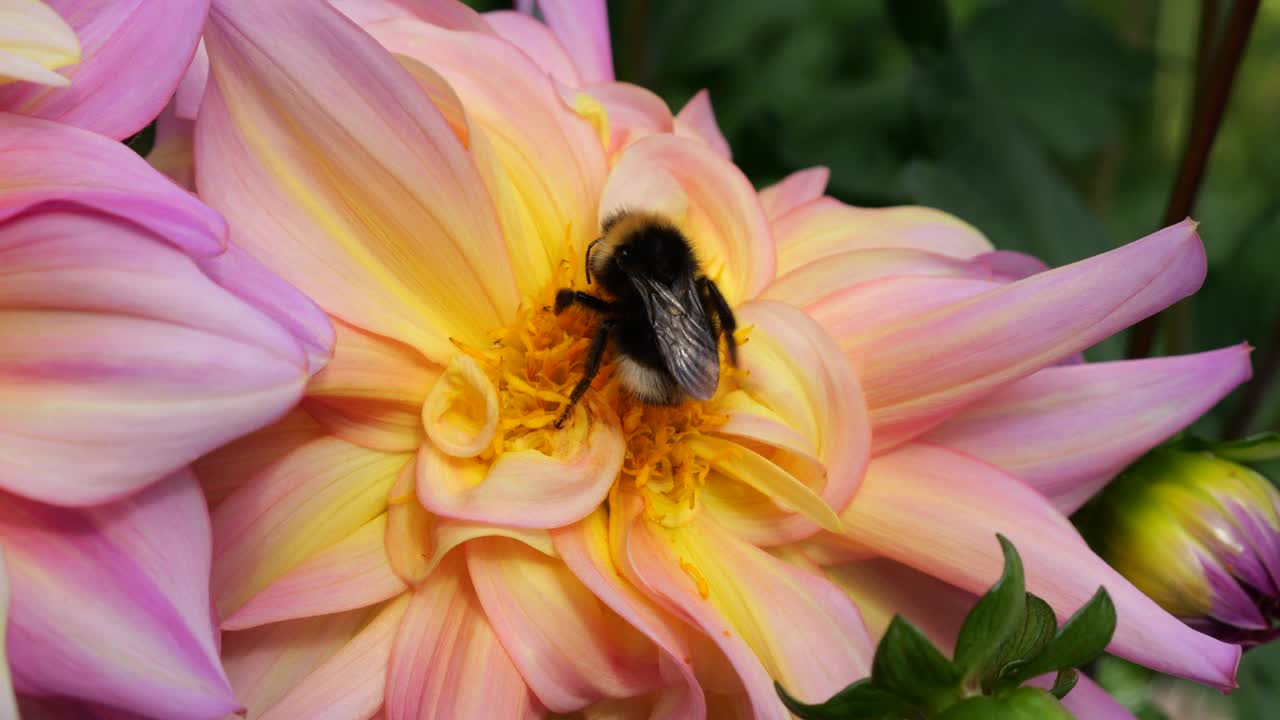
651	385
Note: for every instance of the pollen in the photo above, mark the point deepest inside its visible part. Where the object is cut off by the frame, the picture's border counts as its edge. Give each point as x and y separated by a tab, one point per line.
534	364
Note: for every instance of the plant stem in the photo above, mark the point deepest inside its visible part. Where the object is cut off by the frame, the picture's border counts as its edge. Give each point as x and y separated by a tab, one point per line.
1206	119
1264	378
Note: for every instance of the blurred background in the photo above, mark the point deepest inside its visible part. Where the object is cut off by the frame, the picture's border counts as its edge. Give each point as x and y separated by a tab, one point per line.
1057	127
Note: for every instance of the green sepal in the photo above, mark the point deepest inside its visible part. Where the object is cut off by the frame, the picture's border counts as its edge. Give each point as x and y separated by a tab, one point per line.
909	666
1255	448
1020	704
1079	641
860	701
998	617
1064	682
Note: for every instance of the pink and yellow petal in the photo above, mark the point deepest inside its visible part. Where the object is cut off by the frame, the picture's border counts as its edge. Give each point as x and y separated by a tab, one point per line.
1068	430
123	360
48	162
584	547
771	619
582	27
34	42
527	488
352	682
146	644
794	191
446	660
698	121
303	500
632	112
372	392
1007	333
809	285
351	574
938	511
544	172
537	41
707	197
265	663
110	92
319	188
8	702
570	648
826	226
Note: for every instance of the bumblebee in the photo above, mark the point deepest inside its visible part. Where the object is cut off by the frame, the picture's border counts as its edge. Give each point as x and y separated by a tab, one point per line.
664	317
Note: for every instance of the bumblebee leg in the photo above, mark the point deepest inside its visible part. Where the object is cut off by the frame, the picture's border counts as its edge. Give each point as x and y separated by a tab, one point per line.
594	356
719	309
567	297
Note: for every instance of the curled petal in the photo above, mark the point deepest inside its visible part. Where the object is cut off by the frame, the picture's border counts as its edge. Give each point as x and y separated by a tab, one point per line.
827	226
110	92
47	162
447	662
146	644
34	43
372	392
186	99
698	121
570	649
1067	430
708	197
938	511
336	170
793	191
1011	331
351	574
771	619
303	499
461	412
537	41
122	361
266	662
352	682
582	26
584	547
526	488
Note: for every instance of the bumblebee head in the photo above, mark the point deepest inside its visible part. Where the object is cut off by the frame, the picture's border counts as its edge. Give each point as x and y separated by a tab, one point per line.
639	244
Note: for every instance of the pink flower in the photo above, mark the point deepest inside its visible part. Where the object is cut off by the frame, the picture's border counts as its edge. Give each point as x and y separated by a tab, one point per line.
420	541
133	339
115	78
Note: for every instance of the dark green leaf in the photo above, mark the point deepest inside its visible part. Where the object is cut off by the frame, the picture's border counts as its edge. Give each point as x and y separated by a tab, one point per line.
1019	704
1079	641
1064	682
908	665
860	701
996	617
142	141
1037	630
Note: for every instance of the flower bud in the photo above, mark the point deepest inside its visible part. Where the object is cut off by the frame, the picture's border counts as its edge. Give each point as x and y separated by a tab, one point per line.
1201	536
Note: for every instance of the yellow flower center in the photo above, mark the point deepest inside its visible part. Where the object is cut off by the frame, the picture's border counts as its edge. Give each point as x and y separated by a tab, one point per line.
535	364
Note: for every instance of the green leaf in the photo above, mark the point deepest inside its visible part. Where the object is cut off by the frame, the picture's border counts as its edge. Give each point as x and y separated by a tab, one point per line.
1065	681
1079	641
996	617
1019	704
1037	630
908	665
1255	448
860	701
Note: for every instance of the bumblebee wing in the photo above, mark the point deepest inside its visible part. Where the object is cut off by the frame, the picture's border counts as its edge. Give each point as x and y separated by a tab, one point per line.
684	335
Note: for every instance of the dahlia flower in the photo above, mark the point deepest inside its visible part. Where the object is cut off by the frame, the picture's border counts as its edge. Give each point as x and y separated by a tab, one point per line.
133	339
419	540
